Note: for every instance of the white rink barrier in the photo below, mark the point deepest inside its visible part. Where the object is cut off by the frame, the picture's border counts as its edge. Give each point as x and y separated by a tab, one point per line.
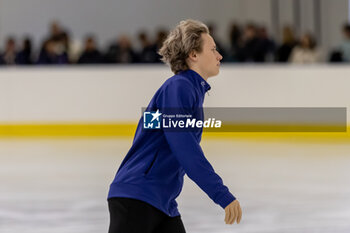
117	93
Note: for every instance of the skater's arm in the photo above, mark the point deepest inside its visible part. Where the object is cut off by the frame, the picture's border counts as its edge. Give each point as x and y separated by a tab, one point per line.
186	148
190	155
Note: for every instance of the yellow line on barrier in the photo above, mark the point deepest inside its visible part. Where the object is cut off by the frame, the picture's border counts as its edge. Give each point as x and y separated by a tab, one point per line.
13	130
67	129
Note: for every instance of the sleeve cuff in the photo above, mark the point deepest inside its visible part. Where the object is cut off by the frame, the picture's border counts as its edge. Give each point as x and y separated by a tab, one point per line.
226	200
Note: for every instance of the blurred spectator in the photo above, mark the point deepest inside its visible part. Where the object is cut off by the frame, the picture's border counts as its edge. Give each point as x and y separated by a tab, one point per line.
161	36
265	47
57	44
52	53
72	47
247	52
336	56
306	52
235	41
8	57
288	43
121	51
148	52
345	45
56	31
219	47
90	55
64	42
24	57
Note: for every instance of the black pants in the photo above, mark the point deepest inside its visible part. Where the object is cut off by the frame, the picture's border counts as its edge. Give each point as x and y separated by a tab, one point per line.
133	216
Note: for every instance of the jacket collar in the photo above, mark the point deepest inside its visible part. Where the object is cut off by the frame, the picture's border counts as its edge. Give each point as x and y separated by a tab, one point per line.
197	79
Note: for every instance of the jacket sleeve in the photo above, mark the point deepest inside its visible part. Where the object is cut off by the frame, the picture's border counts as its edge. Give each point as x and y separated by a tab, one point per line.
185	145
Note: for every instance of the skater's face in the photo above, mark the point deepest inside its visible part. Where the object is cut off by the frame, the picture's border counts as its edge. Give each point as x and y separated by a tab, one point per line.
207	62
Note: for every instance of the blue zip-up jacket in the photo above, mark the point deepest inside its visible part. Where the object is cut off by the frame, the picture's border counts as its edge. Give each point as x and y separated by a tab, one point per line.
155	165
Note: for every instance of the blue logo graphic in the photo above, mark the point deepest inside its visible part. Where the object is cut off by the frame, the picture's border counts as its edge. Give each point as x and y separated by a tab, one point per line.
151	120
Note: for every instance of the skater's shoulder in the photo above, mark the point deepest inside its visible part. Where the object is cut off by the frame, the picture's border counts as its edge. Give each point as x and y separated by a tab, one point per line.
178	80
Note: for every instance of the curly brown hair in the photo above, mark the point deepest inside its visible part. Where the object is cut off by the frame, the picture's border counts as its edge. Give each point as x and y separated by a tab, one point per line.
181	41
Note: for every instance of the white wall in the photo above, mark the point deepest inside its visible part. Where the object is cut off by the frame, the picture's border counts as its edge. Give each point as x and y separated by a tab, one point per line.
118	93
333	15
286	16
106	18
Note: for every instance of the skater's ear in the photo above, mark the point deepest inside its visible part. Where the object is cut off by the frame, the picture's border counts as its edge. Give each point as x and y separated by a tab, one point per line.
193	56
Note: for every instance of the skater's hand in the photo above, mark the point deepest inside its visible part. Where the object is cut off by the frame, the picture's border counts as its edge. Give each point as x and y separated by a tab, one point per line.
233	212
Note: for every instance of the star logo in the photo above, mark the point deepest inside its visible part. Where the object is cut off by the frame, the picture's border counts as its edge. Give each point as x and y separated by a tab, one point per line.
151	120
156	115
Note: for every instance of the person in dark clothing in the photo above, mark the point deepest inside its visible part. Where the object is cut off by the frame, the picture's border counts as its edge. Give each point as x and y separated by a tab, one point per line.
235	41
248	50
56	32
54	49
148	52
62	43
121	51
51	54
288	43
24	57
90	55
265	47
142	195
161	36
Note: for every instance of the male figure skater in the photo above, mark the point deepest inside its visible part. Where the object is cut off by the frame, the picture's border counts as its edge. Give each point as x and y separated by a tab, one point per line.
142	195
